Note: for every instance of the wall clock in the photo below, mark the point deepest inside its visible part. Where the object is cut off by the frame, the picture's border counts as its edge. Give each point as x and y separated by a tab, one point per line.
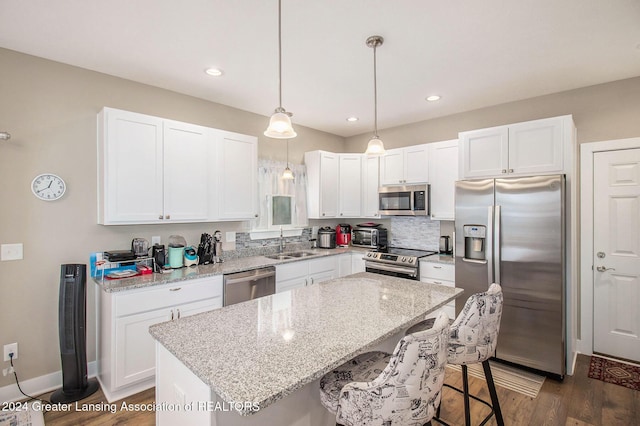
48	187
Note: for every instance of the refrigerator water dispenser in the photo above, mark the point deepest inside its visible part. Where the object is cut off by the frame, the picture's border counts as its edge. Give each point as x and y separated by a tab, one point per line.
474	241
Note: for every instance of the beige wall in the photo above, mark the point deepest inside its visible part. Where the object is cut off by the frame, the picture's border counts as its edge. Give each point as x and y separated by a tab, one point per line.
50	110
602	112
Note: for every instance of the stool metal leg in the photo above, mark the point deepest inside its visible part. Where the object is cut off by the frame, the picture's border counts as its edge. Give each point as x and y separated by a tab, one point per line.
492	391
465	391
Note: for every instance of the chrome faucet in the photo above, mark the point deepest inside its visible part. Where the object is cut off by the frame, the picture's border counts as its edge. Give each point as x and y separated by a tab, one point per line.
281	248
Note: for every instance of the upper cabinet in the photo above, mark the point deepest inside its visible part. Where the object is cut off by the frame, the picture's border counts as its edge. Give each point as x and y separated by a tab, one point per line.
153	170
341	185
409	165
443	174
533	147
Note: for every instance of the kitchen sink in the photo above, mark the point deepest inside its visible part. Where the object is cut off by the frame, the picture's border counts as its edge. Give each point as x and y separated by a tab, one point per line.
301	254
279	256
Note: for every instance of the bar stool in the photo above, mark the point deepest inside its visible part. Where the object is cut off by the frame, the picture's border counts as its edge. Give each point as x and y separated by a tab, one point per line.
473	339
403	388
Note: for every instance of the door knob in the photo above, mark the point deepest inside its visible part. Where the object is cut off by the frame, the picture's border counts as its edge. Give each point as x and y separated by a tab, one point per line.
604	269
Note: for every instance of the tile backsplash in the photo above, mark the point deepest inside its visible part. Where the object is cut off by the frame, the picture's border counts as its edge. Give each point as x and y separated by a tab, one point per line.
416	232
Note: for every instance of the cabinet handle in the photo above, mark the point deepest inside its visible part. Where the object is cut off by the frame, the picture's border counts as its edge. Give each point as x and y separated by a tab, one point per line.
504	170
340	214
311	279
168	217
256	215
179	312
510	170
437	267
160	217
322	214
172	315
175	289
435	282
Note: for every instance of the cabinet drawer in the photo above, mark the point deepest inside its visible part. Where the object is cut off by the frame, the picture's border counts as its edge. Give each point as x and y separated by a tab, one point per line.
323	264
438	271
172	294
290	271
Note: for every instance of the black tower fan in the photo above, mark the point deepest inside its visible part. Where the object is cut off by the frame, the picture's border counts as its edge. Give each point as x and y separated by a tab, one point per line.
72	323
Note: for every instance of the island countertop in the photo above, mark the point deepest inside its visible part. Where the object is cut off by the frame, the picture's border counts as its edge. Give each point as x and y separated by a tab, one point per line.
264	349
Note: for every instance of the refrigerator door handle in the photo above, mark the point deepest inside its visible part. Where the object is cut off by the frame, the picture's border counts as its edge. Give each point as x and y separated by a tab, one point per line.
489	246
496	241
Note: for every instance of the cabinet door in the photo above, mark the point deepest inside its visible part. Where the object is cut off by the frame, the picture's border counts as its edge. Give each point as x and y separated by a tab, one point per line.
328	184
130	168
370	176
292	275
443	171
186	171
134	346
392	167
357	262
485	152
416	164
237	170
344	265
323	269
350	185
536	147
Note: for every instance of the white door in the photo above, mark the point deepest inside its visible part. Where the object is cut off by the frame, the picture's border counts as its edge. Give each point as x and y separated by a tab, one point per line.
350	185
238	176
392	167
328	184
370	176
536	147
616	257
416	164
443	174
484	152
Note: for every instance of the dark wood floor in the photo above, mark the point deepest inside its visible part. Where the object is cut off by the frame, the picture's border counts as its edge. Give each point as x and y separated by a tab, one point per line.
578	400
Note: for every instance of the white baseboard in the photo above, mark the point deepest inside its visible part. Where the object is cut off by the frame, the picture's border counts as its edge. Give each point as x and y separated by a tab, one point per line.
39	385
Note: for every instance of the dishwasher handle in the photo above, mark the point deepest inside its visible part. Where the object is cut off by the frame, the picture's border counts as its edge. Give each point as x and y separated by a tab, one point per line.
255	275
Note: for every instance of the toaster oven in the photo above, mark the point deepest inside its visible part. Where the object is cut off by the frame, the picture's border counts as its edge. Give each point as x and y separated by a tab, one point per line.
374	238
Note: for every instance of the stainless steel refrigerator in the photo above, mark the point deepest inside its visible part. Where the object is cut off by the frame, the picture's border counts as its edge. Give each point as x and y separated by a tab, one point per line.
512	231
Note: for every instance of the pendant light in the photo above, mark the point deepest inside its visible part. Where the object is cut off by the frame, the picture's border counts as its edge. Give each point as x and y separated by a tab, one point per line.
280	122
375	145
288	174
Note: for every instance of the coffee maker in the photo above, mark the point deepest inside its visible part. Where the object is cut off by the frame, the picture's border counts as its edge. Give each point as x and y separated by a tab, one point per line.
343	234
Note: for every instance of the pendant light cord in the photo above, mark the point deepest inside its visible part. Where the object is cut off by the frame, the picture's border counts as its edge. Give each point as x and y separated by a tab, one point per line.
375	93
280	52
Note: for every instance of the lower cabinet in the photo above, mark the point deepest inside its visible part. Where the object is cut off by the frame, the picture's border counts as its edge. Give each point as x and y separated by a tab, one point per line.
306	272
443	274
357	262
344	265
126	350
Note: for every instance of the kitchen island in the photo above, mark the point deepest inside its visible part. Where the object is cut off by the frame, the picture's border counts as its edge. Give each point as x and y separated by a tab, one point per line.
259	362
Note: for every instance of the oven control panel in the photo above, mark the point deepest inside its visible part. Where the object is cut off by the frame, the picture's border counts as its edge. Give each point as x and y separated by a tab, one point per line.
391	258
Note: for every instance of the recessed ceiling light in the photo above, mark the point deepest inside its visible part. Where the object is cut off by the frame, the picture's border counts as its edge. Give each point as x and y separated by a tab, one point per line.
352	119
433	98
216	72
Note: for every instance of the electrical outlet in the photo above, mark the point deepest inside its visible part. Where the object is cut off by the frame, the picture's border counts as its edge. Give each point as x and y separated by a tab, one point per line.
11	347
155	240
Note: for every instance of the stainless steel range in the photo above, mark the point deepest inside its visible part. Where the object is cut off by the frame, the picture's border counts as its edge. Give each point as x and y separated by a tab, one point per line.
397	262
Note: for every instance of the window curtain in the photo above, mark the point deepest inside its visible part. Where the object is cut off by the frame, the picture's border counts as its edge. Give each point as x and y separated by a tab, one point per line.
270	183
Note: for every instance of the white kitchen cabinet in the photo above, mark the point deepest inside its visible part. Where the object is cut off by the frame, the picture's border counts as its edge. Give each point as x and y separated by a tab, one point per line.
443	274
357	262
370	184
306	272
237	171
322	184
405	166
126	350
154	170
344	265
528	148
350	185
443	174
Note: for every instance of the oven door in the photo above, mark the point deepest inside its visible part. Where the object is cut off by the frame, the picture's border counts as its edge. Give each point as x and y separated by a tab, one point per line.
391	270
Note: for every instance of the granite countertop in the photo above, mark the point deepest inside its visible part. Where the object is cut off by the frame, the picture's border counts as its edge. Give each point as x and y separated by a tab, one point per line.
264	349
440	258
203	271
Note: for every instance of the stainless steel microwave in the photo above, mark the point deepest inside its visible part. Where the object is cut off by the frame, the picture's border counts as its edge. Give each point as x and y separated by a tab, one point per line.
407	200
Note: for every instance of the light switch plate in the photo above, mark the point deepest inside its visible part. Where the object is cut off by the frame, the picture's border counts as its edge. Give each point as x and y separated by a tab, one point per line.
231	237
155	240
11	252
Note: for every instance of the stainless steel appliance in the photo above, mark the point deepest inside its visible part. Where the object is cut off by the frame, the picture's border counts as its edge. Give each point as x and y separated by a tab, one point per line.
406	200
248	285
512	232
369	237
140	247
327	238
396	262
445	245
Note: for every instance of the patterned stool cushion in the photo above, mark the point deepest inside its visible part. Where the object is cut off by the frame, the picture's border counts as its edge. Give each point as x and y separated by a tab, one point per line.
362	368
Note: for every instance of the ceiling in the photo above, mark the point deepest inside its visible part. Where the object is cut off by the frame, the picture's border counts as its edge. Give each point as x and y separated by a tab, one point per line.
472	53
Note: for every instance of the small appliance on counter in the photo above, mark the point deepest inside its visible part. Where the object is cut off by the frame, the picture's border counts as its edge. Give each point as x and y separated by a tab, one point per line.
217	247
140	247
177	244
205	249
343	234
159	255
369	235
445	245
119	255
326	238
190	256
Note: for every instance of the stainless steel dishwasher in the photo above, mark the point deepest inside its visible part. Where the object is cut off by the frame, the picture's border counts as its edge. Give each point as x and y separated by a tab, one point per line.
248	285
